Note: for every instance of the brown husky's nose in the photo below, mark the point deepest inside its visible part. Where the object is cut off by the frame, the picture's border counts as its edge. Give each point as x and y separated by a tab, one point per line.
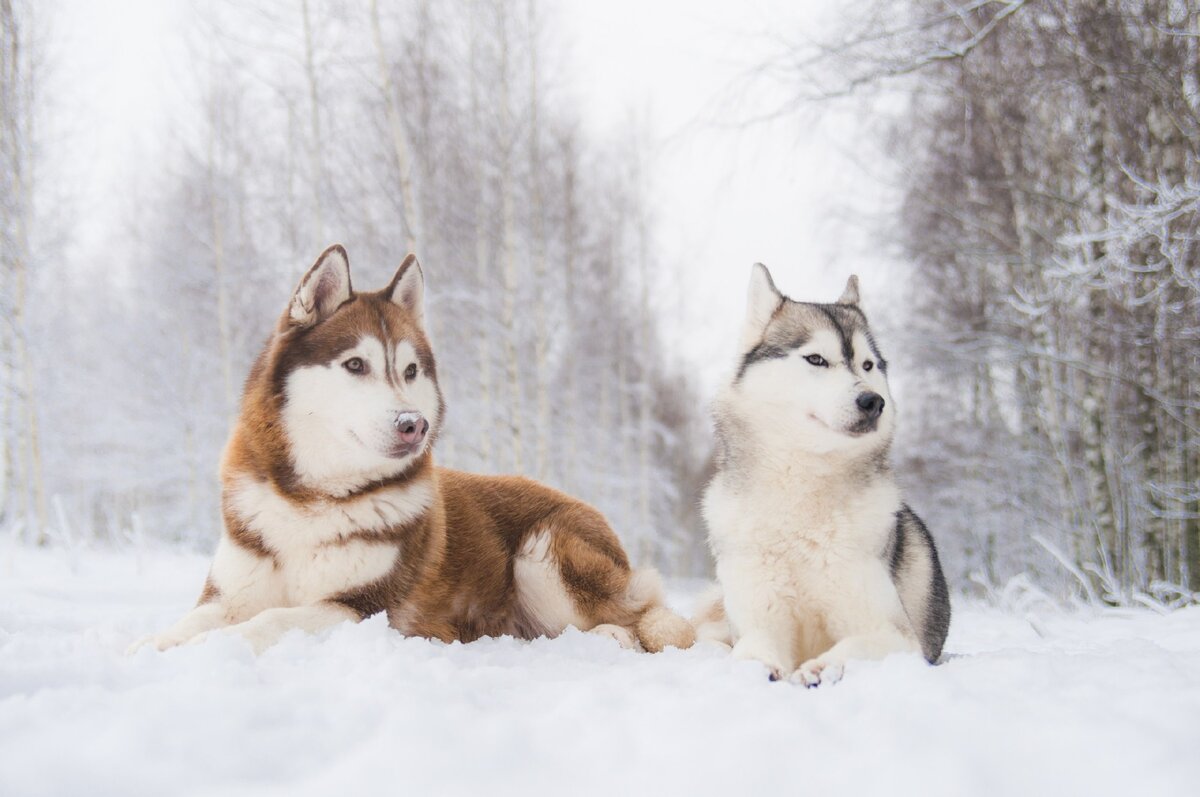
411	427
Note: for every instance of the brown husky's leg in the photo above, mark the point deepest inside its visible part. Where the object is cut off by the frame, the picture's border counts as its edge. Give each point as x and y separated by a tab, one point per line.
604	591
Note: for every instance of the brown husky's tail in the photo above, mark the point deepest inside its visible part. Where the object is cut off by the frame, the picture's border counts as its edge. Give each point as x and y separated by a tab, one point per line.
657	627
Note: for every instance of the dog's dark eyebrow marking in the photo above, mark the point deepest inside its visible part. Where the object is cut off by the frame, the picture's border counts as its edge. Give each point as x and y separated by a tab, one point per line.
799	341
880	362
847	346
763	351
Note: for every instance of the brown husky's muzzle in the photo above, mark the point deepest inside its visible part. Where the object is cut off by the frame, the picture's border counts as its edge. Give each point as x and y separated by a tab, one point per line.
411	428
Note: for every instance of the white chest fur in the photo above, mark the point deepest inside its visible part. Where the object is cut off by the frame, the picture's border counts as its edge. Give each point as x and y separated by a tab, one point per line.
317	553
783	513
803	543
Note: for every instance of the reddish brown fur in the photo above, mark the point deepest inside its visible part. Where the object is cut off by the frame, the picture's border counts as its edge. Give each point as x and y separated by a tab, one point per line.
209	594
258	446
467	588
454	579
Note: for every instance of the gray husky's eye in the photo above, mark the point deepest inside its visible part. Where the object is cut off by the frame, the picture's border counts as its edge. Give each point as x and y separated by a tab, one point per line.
816	359
410	373
868	365
355	365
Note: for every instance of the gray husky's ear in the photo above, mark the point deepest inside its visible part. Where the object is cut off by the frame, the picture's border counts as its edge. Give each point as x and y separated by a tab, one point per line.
325	288
408	288
762	300
850	295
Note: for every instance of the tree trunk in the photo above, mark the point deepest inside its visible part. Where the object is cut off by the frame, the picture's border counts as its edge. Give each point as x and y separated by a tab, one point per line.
537	209
398	135
508	220
571	399
1094	335
9	151
317	150
645	396
18	128
217	231
482	256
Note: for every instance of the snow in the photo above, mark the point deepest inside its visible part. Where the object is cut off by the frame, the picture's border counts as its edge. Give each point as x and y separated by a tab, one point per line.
1030	701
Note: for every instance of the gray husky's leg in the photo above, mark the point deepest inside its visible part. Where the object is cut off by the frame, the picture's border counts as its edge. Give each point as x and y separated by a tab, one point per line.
867	625
763	622
827	668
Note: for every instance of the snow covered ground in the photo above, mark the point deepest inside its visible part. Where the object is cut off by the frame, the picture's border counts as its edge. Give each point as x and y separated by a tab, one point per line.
1030	702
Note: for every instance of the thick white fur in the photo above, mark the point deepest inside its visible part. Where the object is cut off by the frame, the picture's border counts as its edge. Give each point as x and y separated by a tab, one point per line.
800	563
645	588
545	600
315	559
710	621
268	626
540	589
285	525
806	409
619	634
313	562
798	532
339	426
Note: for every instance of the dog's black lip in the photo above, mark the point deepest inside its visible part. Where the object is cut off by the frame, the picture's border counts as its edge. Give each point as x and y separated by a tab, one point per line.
858	430
861	430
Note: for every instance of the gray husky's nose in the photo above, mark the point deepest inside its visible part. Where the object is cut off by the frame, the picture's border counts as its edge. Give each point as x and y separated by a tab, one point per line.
871	404
411	427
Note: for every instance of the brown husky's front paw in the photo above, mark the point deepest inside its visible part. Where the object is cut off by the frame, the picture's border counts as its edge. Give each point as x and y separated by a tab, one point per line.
623	636
160	642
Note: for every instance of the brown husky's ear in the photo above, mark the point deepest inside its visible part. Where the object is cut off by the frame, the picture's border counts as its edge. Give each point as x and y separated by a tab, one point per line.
762	300
325	288
850	295
408	288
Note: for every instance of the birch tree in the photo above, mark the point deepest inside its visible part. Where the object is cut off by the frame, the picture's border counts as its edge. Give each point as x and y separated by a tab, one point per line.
397	134
1049	152
20	96
430	126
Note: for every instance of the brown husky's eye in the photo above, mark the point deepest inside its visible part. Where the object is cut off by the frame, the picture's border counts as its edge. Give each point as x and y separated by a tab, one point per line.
410	373
868	365
817	360
355	365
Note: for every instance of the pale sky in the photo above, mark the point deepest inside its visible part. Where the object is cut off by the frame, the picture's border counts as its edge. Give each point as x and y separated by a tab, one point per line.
723	198
727	198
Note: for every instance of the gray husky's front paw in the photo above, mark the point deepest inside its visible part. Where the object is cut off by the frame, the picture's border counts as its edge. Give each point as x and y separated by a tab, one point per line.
815	672
755	647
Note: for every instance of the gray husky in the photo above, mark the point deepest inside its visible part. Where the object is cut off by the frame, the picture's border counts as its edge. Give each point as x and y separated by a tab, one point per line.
819	559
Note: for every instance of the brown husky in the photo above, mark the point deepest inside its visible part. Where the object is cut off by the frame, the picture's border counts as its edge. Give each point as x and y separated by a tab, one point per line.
335	511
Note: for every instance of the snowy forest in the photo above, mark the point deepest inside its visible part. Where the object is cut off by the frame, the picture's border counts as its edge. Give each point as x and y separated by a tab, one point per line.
432	128
1051	212
1048	173
1043	313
